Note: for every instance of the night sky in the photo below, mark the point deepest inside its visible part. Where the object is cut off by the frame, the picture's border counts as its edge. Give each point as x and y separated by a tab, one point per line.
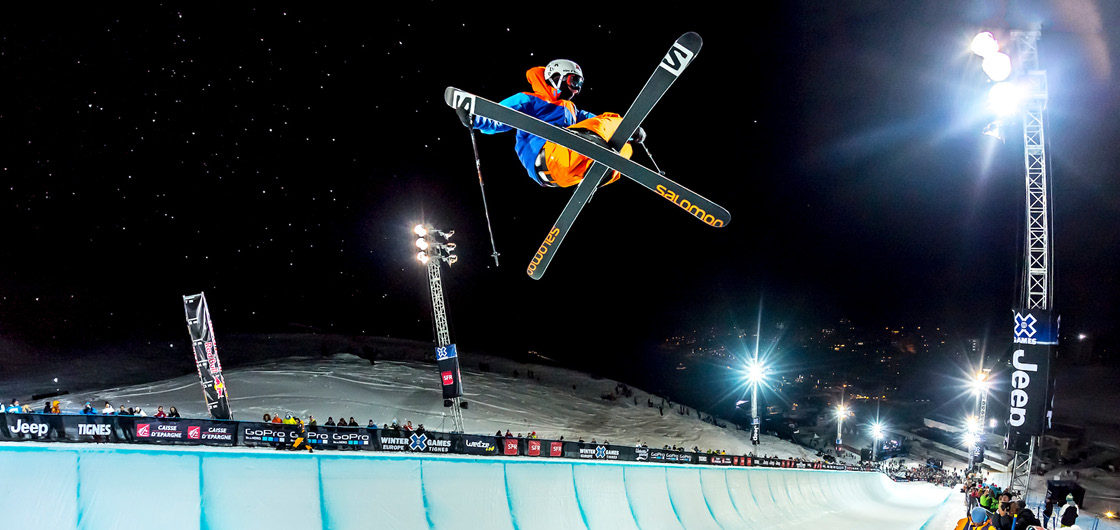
277	159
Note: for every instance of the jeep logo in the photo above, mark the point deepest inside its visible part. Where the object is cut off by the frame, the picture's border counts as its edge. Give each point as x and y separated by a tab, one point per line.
35	429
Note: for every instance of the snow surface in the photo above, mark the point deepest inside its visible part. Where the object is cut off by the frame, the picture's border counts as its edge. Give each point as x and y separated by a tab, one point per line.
211	487
557	402
105	487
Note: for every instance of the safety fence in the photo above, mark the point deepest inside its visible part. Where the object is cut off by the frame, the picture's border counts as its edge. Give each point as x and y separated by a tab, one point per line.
83	428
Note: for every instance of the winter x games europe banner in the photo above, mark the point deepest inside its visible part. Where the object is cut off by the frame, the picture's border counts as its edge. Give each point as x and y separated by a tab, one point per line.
1036	331
206	356
448	362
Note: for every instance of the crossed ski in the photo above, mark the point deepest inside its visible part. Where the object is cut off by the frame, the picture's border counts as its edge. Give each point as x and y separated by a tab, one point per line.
605	159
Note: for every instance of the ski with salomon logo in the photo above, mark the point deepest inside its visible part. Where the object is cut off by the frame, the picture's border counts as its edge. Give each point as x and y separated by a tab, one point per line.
682	53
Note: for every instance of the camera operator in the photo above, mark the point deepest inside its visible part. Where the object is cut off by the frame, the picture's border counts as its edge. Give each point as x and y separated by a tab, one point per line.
1003	519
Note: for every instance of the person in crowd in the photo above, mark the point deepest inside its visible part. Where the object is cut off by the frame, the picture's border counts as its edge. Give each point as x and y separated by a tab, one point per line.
342	420
311	421
408	426
1067	517
289	420
160	413
55	409
267	418
421	429
107	409
277	419
330	421
371	424
352	422
139	412
122	412
47	407
88	409
1003	519
173	413
977	520
510	435
1024	518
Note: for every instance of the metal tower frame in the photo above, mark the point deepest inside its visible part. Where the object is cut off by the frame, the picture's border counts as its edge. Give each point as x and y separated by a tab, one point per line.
443	334
1037	286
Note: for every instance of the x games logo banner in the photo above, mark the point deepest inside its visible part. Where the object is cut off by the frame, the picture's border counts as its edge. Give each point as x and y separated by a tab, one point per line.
1036	326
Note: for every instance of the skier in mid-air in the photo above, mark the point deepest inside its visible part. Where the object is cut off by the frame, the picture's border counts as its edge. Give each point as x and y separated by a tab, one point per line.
550	164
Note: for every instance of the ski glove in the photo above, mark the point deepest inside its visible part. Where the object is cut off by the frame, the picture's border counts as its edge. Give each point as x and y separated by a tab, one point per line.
464	116
639	136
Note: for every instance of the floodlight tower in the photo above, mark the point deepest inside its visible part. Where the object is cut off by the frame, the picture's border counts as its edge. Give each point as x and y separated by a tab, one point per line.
435	248
1030	89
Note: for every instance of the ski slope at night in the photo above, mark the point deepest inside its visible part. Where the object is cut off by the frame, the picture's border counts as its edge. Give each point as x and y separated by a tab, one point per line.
66	486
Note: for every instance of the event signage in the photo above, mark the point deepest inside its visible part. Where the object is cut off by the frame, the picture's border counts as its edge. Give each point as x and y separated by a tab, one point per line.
447	359
185	431
206	356
1036	331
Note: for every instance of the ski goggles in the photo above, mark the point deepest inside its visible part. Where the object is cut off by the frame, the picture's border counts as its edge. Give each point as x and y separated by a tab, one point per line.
574	81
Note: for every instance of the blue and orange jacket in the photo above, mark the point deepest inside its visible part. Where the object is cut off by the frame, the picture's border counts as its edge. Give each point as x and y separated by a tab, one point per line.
542	103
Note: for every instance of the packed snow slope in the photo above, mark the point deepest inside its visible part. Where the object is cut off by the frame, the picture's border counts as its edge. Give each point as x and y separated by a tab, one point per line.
90	487
555	402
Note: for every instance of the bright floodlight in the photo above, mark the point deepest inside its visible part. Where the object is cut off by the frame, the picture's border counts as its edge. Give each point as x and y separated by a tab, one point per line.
970	439
877	431
984	44
997	66
1004	98
420	230
841	410
756	372
972	423
980	384
422	244
422	256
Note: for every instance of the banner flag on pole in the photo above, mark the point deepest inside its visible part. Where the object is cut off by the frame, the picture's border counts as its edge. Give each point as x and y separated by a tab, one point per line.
206	356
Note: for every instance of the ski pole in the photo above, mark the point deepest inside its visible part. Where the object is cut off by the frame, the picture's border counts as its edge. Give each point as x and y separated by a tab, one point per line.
482	187
643	144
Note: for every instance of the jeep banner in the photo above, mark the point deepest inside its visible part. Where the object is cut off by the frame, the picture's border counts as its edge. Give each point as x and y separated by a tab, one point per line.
448	362
1035	333
206	356
181	431
59	428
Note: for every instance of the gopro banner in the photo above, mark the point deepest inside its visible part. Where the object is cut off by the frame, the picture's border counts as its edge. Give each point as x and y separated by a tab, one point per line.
206	356
1036	326
339	437
266	434
448	361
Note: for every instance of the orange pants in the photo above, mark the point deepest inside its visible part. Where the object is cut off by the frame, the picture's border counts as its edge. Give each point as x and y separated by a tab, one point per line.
566	167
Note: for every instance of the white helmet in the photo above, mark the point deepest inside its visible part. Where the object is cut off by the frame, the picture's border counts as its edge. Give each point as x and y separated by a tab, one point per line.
564	73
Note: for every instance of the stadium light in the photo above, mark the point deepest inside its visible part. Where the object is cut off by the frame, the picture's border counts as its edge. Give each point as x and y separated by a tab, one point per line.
1004	98
756	372
997	66
422	257
984	44
980	383
422	244
420	230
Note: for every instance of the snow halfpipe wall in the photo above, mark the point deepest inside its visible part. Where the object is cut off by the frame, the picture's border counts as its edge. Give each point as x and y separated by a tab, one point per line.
51	486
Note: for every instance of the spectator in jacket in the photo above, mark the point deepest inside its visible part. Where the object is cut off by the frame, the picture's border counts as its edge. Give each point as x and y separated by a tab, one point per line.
1024	518
371	424
160	413
1067	517
139	412
173	413
277	419
267	418
352	422
330	421
47	407
107	409
311	421
55	408
88	409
